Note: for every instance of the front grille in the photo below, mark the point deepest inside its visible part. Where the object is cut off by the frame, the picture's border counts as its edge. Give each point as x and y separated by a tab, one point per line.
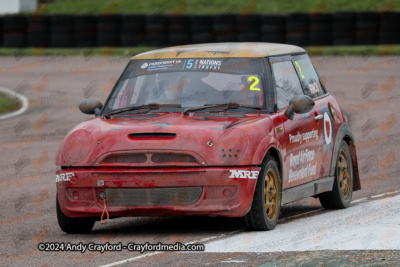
169	157
153	197
125	158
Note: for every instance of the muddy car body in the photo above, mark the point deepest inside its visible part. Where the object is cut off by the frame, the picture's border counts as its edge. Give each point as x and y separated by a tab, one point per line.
233	129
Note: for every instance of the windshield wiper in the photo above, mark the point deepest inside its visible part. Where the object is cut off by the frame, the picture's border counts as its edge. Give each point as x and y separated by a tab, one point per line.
225	106
151	106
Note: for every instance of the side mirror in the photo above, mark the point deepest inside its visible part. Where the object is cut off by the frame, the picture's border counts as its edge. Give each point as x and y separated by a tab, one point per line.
299	104
90	106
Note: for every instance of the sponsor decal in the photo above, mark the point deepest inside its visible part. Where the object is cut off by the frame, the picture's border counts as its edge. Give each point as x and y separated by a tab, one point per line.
306	137
162	65
208	64
244	174
64	176
302	158
328	129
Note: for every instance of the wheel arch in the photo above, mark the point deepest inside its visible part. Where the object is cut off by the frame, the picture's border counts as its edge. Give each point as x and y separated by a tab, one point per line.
275	154
345	134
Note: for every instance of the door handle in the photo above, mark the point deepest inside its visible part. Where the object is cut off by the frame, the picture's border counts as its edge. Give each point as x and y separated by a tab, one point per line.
318	117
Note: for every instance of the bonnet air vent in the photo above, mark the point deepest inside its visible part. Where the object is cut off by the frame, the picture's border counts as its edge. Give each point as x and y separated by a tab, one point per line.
148	136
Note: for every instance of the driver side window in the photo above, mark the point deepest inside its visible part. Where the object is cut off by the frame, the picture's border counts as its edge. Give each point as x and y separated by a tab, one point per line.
287	83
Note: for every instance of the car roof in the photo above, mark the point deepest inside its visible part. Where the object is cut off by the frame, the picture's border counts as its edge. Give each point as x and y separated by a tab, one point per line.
222	50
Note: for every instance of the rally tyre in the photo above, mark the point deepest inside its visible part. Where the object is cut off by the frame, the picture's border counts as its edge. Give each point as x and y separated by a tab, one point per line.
74	225
340	196
265	209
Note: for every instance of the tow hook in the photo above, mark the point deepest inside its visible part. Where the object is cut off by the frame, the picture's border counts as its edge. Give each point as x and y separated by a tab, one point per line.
102	196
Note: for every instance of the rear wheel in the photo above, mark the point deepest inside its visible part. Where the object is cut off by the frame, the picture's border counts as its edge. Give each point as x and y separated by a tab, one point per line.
265	209
74	225
340	196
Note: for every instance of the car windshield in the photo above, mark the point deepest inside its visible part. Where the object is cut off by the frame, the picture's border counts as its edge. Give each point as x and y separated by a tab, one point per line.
189	83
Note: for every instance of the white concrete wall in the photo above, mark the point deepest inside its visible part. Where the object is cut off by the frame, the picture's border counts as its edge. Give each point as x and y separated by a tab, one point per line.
15	6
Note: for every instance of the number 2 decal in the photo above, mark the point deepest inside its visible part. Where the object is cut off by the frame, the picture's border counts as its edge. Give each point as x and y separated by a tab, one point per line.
298	65
256	81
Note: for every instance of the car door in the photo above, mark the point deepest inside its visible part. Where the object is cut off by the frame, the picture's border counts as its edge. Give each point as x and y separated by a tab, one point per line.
322	119
298	139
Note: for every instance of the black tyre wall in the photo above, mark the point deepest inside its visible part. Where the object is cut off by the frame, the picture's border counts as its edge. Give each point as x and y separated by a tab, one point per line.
38	31
14	31
389	32
320	32
224	28
344	28
108	30
61	31
340	28
179	30
1	31
367	31
132	30
248	28
85	31
156	29
273	28
297	29
201	29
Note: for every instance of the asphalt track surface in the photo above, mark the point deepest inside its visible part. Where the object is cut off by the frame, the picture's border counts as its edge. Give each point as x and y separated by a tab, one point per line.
367	89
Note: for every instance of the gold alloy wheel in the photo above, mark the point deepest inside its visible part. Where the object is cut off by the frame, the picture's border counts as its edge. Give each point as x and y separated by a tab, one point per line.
271	194
344	174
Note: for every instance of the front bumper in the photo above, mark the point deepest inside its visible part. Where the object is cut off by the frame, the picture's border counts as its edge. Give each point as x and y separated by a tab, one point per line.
217	194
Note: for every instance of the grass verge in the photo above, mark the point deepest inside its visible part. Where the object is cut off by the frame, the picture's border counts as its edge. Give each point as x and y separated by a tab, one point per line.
8	104
213	7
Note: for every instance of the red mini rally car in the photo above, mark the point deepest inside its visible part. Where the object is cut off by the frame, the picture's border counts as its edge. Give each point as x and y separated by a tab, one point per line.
229	129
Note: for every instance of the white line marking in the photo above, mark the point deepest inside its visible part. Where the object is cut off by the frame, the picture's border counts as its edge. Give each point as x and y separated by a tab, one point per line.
234	232
232	261
158	252
22	99
131	259
359	200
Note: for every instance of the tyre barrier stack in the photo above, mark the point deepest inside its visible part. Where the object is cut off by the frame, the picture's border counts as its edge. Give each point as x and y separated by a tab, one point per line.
179	30
61	31
389	28
129	30
248	28
156	29
1	31
108	30
273	28
367	30
85	29
320	30
132	30
224	28
344	28
14	31
201	29
297	29
38	31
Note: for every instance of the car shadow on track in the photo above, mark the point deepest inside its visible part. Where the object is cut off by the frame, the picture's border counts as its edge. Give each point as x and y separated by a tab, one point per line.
191	225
